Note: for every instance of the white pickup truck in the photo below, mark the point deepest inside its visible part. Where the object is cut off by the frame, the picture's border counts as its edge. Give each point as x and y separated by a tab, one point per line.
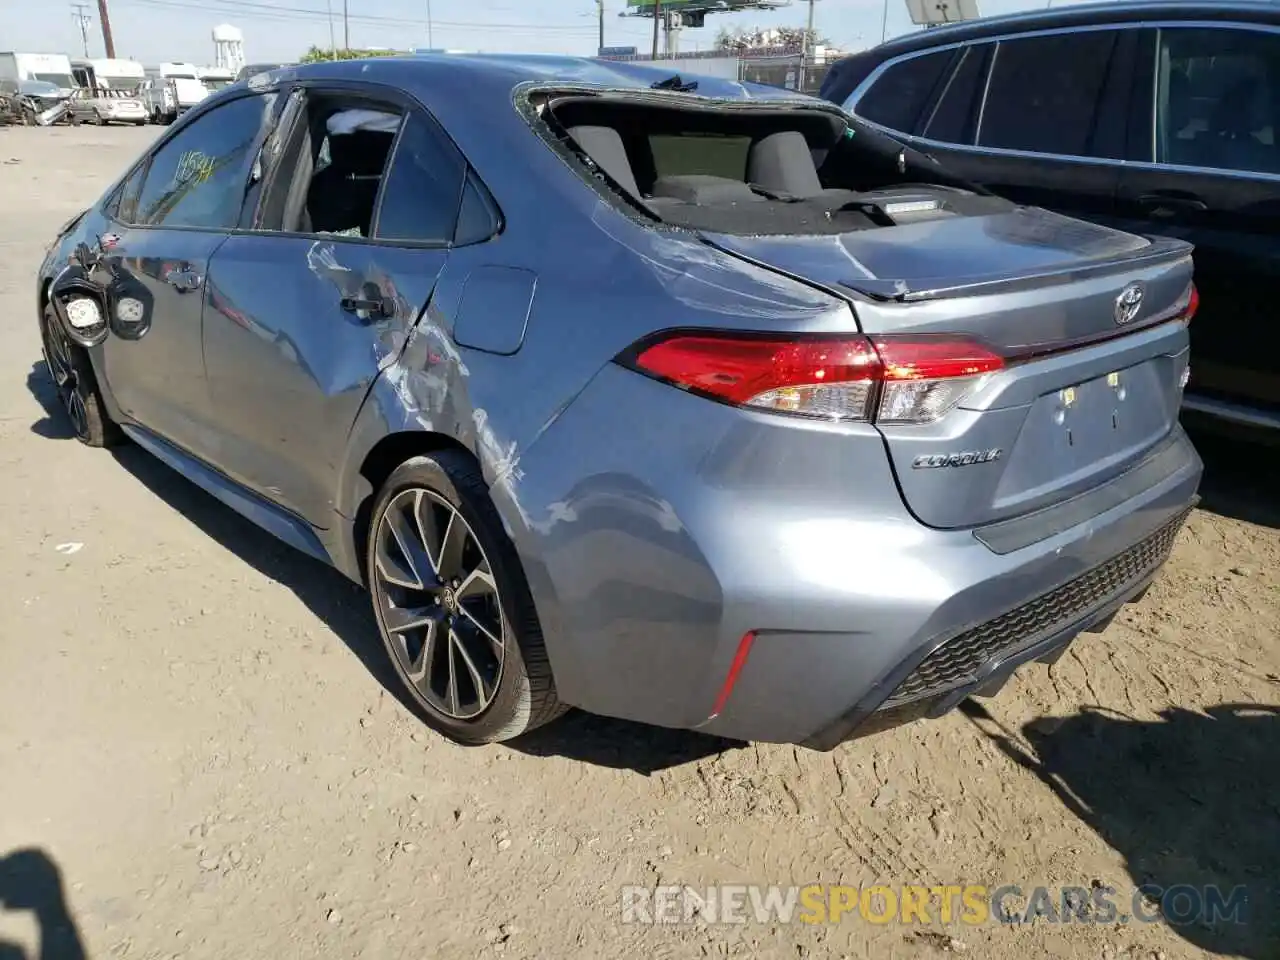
171	89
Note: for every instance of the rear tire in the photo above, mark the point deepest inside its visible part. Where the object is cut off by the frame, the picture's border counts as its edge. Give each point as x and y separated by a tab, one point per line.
453	606
76	385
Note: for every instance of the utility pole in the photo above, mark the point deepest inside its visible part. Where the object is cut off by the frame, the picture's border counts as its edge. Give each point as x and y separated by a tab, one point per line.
333	44
346	28
600	13
657	16
108	44
806	43
81	16
431	40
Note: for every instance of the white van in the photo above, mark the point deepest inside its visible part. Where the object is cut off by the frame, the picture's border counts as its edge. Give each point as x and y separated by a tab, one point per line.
124	76
54	68
215	78
171	89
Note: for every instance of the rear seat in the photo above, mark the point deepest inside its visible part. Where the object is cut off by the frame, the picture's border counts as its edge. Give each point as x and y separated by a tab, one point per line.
605	147
782	163
702	189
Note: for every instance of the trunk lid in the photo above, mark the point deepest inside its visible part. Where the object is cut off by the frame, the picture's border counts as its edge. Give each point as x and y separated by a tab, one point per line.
1083	396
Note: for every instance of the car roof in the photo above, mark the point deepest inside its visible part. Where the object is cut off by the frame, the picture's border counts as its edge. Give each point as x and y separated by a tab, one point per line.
1106	11
494	73
847	73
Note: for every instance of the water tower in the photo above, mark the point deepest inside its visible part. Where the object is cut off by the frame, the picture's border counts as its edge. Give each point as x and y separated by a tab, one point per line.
228	47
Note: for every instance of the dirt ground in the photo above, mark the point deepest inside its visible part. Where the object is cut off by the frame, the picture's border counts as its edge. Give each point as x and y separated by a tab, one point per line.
197	733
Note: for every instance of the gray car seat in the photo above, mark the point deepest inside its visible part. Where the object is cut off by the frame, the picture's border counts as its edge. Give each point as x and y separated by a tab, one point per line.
604	146
783	164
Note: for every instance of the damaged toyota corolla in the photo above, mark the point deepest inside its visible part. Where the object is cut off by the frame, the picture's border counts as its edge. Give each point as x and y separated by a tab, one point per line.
692	403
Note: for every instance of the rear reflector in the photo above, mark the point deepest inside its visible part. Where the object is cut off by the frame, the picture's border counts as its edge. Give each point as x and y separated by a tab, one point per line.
907	379
735	669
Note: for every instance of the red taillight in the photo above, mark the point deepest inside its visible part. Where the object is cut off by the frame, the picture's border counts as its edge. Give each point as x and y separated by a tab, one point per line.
935	359
1193	304
835	378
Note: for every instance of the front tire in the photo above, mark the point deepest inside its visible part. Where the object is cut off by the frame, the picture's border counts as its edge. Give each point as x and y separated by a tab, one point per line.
76	385
453	606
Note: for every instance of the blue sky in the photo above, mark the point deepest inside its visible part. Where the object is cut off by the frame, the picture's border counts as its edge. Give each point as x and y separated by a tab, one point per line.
155	30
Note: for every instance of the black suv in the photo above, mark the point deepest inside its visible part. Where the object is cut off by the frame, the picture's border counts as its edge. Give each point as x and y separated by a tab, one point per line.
1154	117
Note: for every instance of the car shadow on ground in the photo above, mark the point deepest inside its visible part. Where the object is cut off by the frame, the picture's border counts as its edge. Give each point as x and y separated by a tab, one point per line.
621	744
1241	474
344	609
31	882
1189	800
54	425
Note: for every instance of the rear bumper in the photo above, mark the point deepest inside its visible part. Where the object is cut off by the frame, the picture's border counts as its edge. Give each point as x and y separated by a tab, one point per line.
652	550
1008	610
979	661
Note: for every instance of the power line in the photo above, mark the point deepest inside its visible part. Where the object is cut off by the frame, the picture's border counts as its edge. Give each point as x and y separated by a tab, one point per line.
260	10
79	13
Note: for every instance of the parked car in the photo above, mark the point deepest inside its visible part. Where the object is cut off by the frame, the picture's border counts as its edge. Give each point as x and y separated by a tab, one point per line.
613	395
103	106
1154	117
41	94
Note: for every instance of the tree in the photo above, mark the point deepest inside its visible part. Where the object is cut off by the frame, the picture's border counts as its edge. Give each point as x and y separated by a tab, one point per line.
742	40
317	54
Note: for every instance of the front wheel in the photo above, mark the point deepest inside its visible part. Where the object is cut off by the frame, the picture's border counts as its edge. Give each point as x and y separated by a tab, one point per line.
77	388
453	606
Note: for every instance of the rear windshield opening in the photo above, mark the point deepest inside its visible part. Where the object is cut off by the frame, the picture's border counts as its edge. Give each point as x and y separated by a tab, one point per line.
754	169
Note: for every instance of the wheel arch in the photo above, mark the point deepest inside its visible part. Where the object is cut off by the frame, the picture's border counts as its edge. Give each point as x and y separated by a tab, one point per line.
382	458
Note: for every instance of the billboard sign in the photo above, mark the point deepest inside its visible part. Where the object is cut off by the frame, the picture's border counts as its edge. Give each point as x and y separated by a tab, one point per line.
644	8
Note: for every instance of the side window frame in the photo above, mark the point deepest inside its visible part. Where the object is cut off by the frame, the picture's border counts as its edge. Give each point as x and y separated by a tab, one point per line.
291	105
120	204
283	190
1140	144
1122	113
282	199
1146	142
994	64
927	105
982	52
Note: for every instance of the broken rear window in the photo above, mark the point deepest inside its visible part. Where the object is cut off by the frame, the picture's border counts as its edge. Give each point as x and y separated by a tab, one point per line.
749	168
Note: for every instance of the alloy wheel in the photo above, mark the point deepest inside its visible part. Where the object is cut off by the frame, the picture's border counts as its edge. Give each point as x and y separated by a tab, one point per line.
57	357
438	603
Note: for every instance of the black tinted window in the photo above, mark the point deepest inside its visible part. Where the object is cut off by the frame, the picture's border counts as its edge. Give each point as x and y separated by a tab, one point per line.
897	99
1217	100
1043	94
955	114
479	218
424	188
197	179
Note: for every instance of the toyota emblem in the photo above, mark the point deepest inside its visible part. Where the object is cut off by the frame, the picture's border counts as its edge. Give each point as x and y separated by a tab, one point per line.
1129	303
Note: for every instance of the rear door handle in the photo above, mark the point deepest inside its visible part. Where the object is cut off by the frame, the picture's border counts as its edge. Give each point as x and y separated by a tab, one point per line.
374	307
184	279
1167	205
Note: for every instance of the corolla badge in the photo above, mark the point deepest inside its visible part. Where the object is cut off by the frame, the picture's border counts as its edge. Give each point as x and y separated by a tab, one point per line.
967	458
1129	303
